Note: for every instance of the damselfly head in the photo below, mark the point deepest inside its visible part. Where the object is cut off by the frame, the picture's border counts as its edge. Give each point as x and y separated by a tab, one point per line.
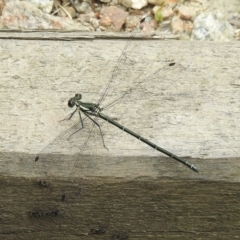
72	101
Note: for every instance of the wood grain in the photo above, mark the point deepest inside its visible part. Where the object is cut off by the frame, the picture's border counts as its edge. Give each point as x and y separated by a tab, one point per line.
139	209
191	109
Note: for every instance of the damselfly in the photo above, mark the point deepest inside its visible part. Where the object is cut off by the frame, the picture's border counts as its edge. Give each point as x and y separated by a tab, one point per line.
92	111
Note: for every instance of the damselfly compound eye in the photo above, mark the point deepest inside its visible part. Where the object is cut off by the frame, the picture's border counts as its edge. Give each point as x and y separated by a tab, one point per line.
71	103
78	96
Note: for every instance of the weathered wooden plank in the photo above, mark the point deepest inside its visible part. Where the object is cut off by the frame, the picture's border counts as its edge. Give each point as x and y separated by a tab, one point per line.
191	109
139	209
76	35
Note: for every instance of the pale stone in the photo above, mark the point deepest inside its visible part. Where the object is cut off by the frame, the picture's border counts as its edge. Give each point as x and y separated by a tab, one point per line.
177	25
135	4
187	13
212	26
166	12
23	15
44	5
112	18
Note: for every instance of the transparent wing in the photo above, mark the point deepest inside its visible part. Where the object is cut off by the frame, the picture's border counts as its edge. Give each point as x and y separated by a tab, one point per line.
92	150
58	158
73	140
137	85
131	71
124	64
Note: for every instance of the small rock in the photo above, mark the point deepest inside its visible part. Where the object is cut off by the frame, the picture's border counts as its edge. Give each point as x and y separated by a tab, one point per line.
2	4
149	25
23	15
135	4
84	7
177	25
156	8
85	17
237	34
112	17
89	18
94	22
186	13
187	27
131	22
212	26
166	12
44	5
113	3
235	22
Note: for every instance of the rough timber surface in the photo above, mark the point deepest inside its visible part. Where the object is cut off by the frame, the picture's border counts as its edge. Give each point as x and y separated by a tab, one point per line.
139	209
191	109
